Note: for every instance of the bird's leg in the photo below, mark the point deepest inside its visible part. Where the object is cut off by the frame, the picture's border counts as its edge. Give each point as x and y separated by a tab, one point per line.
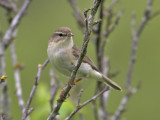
79	79
69	83
62	96
76	80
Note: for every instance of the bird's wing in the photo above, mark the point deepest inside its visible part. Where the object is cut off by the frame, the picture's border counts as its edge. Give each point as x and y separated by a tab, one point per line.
76	52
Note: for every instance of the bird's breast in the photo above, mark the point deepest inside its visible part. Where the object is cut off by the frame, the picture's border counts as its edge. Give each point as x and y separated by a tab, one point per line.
61	59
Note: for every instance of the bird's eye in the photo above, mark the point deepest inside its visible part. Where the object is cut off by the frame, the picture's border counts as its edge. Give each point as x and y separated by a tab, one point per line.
60	34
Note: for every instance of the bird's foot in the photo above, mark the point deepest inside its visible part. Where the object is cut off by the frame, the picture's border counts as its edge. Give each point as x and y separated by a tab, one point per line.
62	95
79	79
69	83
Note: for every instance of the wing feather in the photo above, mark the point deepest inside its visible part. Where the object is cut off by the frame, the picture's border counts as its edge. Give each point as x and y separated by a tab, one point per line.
76	52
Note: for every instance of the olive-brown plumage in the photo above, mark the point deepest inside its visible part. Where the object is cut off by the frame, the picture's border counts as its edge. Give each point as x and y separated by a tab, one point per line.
63	54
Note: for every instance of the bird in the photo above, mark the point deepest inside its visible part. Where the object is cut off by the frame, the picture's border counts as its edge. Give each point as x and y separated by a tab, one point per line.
63	54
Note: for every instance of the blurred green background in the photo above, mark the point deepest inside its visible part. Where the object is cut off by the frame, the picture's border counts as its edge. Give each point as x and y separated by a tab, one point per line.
43	17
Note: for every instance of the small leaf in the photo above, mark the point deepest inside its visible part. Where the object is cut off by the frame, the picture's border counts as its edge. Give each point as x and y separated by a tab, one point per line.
3	78
40	65
19	66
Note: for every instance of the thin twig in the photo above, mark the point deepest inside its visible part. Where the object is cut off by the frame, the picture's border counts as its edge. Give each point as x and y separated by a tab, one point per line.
143	23
133	23
154	14
40	69
54	85
8	36
77	14
79	97
5	100
110	28
123	103
114	2
78	104
99	54
14	24
1	117
98	39
17	78
106	67
8	6
85	103
115	23
136	34
78	63
95	110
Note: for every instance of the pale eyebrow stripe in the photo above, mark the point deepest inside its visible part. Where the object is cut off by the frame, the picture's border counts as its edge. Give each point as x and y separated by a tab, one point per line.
64	34
58	32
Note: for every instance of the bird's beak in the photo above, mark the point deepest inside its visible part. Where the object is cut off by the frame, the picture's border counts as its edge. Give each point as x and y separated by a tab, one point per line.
70	34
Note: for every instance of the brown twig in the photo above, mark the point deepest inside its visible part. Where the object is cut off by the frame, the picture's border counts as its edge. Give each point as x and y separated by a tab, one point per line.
40	69
78	63
85	103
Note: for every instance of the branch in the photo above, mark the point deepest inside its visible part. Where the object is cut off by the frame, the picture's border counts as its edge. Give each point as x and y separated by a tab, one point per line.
114	2
110	27
8	6
136	35
78	104
78	63
14	24
123	103
98	39
133	23
17	77
106	68
85	103
1	117
54	88
40	69
95	110
79	97
105	96
115	23
77	14
5	100
147	16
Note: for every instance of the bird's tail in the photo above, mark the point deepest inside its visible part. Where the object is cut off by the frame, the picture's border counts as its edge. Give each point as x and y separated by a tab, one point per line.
99	76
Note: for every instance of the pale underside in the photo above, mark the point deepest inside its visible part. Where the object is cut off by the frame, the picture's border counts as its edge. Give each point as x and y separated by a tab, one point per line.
64	57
